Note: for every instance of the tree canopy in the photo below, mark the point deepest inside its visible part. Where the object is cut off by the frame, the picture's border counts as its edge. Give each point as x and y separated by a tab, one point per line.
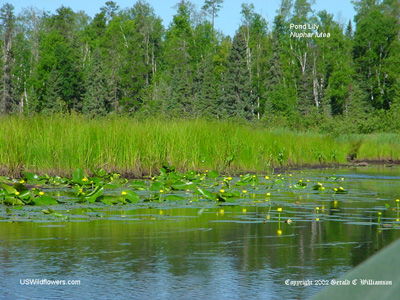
123	61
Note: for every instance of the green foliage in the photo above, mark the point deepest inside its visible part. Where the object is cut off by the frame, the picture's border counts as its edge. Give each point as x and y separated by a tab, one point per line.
95	102
237	100
7	86
212	7
123	61
58	144
206	101
376	53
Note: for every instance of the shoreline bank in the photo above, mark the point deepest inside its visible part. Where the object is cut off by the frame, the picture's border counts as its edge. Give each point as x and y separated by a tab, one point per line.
17	174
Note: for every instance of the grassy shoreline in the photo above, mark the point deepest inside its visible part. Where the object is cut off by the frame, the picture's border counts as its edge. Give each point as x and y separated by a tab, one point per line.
60	144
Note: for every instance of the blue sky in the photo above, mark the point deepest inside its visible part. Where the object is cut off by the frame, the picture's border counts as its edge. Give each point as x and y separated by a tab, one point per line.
229	16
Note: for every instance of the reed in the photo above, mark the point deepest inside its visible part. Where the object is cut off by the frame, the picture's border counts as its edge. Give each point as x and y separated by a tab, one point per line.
60	144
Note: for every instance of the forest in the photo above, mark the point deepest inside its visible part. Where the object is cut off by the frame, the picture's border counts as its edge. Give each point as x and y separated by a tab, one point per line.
125	62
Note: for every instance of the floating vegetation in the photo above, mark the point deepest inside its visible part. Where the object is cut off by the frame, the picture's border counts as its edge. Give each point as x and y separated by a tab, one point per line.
297	198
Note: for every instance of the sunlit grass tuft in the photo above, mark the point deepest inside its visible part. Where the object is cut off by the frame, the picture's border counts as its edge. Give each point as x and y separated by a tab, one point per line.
60	144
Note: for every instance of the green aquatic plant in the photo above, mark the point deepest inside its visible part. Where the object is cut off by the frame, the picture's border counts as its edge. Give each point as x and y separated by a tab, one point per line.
379	217
339	190
300	185
318	187
19	194
58	144
168	186
279	209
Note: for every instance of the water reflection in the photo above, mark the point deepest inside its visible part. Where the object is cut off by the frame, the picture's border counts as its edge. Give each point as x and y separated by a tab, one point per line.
180	258
228	252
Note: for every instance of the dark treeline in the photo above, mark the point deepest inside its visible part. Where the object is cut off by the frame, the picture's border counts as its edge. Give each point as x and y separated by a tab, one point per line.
123	61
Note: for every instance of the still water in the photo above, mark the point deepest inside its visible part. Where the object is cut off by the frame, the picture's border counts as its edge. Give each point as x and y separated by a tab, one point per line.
204	251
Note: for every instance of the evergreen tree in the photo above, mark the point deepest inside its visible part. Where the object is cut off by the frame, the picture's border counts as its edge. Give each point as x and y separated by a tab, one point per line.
206	98
237	100
180	103
281	86
124	61
110	10
179	63
7	19
211	7
305	92
349	30
96	102
52	101
277	94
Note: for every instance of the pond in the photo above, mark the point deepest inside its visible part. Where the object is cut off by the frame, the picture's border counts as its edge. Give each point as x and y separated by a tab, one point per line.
183	250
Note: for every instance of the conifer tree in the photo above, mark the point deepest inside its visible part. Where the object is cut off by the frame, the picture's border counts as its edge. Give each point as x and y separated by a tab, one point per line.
212	7
7	96
52	99
237	100
96	102
206	97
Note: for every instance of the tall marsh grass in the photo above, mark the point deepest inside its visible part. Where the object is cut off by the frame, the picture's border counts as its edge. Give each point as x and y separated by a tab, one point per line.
59	144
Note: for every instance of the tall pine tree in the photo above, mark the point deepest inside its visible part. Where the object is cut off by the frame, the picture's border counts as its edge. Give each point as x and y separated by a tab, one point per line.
96	102
237	99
